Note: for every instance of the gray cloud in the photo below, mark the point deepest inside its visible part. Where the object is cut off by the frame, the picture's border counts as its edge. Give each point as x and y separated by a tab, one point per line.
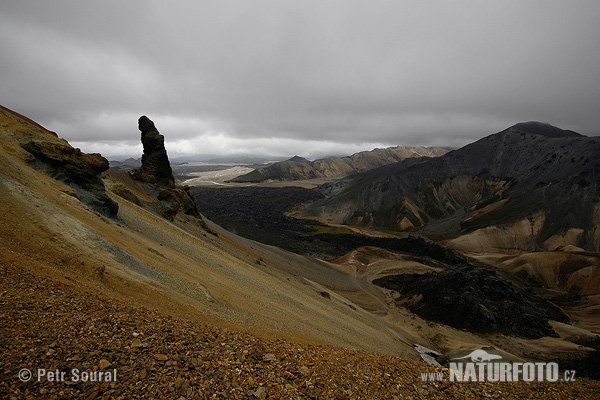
286	77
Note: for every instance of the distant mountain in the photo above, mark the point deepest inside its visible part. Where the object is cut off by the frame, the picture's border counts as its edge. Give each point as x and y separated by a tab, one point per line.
239	159
227	159
530	186
298	168
298	159
126	165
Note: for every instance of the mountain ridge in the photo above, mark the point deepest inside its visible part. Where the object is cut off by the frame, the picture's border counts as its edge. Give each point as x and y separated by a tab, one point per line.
502	178
298	168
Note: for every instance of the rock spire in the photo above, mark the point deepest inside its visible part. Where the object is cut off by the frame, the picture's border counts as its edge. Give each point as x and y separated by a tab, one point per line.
155	162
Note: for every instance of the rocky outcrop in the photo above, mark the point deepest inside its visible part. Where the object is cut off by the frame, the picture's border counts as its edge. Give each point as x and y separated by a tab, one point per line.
77	169
155	167
476	299
179	200
157	175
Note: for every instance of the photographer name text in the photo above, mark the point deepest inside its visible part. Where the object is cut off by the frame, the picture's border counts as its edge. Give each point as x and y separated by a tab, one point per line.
74	375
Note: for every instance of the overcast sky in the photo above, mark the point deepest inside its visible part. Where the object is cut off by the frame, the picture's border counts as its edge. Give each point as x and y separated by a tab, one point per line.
278	78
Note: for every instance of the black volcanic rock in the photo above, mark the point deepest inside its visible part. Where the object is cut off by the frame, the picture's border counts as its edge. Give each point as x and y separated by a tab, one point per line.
77	169
475	299
157	175
156	167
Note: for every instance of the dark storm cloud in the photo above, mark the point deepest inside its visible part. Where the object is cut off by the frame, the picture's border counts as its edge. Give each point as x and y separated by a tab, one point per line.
266	76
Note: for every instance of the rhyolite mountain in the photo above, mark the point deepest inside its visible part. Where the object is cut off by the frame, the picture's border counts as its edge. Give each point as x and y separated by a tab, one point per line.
298	168
530	186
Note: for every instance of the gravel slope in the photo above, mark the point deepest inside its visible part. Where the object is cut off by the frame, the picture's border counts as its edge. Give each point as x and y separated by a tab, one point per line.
53	325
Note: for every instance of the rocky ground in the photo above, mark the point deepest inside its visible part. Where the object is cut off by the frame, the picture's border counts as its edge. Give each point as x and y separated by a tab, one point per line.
57	326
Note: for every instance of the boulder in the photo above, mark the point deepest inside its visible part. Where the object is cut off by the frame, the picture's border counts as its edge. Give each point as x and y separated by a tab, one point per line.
179	200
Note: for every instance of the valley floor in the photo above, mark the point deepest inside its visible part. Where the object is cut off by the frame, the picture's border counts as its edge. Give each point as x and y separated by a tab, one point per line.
55	325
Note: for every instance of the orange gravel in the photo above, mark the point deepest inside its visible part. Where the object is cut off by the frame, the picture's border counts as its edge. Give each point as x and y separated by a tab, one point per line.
52	325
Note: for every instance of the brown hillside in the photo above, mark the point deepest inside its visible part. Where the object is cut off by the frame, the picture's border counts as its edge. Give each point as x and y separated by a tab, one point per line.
181	312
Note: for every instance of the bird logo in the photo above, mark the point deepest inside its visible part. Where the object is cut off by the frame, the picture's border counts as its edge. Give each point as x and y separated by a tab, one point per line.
480	355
